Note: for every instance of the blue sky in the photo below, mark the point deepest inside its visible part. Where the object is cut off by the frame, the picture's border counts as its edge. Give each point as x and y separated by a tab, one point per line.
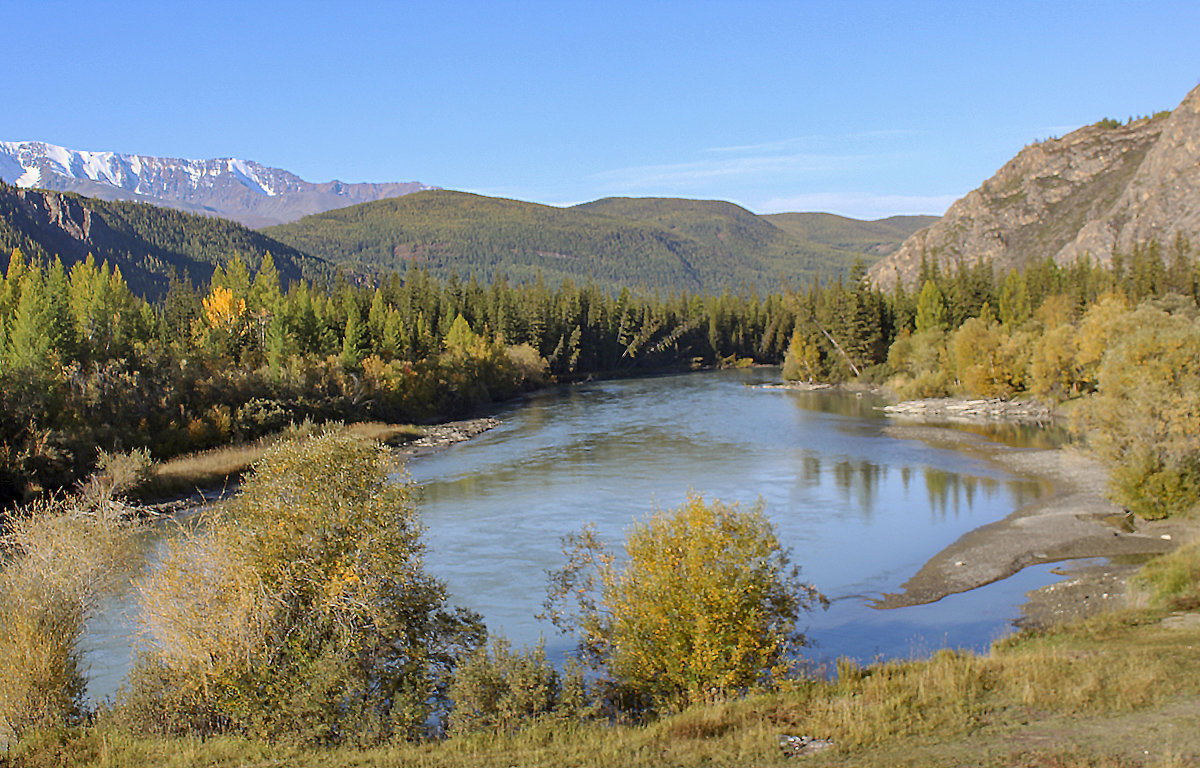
866	109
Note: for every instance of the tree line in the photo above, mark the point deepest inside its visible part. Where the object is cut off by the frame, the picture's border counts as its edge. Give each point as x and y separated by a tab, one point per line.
87	364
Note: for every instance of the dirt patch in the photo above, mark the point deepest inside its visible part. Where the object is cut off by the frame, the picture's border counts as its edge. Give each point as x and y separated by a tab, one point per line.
1085	591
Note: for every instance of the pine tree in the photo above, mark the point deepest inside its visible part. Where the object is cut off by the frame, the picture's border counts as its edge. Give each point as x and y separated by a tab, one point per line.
353	341
30	346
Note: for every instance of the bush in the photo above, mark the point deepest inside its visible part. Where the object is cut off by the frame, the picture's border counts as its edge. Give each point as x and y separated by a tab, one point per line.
1145	416
706	605
501	690
61	557
302	610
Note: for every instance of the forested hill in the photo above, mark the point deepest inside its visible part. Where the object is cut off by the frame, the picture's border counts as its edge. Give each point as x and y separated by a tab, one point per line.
146	242
876	238
722	228
659	244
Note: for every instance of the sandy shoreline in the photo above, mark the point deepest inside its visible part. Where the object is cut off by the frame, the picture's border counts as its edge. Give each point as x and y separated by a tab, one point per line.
1075	522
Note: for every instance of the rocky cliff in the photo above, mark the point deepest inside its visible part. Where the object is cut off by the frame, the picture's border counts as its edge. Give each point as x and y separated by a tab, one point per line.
1101	189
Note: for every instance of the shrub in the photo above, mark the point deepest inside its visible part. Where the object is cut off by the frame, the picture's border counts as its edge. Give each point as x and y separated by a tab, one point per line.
302	610
61	556
1145	416
705	606
501	690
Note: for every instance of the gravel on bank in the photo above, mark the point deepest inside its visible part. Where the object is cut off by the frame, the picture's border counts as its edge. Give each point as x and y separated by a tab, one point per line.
440	436
985	410
1075	522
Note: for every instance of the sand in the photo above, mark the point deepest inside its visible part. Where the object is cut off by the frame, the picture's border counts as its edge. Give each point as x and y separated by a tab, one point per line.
1076	521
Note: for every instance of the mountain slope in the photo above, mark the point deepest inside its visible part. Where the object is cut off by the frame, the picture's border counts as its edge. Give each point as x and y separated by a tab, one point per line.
1097	191
456	232
733	232
874	238
241	190
146	242
657	243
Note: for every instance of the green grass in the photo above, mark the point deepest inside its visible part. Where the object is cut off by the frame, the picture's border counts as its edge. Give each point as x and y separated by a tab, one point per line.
1172	581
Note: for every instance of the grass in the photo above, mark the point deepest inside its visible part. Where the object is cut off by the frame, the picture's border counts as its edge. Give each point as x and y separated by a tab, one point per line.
1117	690
218	467
1173	580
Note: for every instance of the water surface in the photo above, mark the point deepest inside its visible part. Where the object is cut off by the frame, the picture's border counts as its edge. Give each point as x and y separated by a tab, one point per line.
860	510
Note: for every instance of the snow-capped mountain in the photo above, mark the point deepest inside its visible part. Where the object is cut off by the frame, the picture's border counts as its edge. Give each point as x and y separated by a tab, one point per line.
242	190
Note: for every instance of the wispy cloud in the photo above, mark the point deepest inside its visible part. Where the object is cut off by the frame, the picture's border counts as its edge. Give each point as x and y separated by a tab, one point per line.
680	176
794	162
791	145
859	206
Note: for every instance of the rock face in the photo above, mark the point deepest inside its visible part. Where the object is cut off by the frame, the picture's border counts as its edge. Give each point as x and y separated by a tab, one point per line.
1100	190
242	190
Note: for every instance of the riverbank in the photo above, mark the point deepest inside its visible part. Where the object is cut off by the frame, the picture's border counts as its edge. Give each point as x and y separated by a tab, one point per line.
956	409
1074	523
199	478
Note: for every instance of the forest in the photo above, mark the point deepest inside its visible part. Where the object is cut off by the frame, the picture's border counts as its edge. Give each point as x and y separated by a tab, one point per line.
662	244
86	364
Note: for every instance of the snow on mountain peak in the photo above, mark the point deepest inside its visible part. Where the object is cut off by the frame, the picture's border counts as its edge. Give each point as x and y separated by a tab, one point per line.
29	163
242	190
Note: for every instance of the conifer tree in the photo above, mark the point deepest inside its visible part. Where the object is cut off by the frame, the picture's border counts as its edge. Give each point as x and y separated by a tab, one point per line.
931	308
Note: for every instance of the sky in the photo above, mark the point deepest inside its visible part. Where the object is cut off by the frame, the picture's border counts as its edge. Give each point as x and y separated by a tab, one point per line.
861	108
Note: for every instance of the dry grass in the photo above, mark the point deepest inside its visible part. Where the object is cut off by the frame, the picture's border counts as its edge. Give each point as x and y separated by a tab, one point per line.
221	467
60	556
1114	692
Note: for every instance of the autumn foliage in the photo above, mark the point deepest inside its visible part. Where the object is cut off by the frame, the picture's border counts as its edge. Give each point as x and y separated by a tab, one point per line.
705	604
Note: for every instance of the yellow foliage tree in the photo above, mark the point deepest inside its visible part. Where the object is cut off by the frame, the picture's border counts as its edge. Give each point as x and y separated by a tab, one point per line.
222	310
705	606
803	359
303	608
1145	415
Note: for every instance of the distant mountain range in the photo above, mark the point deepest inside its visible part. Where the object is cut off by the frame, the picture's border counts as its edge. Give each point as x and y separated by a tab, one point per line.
241	190
1098	191
70	203
664	244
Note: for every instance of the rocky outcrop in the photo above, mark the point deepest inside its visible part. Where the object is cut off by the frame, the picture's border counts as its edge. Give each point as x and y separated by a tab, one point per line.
1097	191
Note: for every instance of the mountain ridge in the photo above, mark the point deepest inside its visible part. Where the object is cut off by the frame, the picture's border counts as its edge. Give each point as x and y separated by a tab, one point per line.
147	243
1099	191
656	243
240	190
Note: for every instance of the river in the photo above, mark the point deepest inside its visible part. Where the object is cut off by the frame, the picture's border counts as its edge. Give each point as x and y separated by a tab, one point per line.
861	511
